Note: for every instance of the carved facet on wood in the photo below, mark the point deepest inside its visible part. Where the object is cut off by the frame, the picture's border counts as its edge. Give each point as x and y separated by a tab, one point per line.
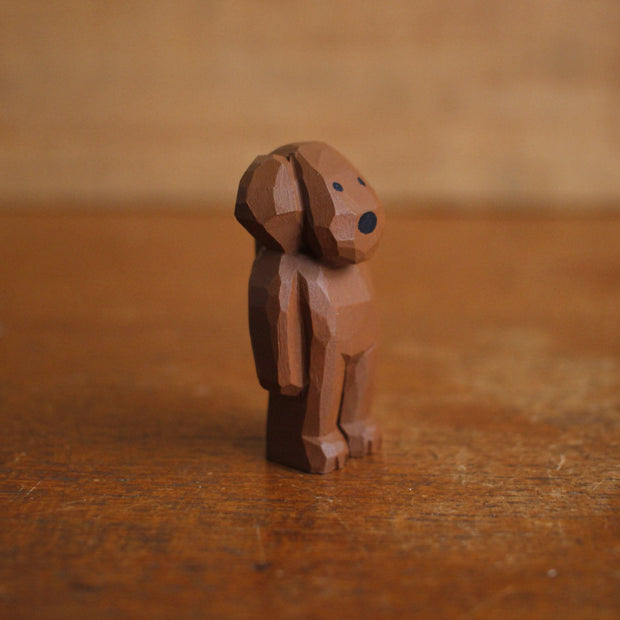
312	318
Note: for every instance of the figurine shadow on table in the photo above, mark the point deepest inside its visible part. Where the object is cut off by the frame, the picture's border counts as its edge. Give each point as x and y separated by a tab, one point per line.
313	323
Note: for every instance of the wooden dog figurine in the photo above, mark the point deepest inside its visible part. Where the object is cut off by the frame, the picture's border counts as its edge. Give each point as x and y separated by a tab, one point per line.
313	322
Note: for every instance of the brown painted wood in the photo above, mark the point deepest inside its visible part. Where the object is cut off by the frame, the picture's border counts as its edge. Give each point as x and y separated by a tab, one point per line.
312	314
133	482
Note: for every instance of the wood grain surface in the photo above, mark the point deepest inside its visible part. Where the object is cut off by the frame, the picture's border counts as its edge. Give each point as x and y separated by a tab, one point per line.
133	482
111	101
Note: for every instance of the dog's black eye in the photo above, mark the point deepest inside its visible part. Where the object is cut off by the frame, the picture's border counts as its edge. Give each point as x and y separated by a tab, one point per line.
360	181
337	187
367	222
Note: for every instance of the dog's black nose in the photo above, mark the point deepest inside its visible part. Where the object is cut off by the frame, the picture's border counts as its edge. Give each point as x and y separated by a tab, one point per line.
367	222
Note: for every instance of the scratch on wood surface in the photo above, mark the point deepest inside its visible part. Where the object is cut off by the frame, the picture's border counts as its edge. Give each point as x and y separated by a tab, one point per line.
596	485
560	464
70	505
33	488
21	489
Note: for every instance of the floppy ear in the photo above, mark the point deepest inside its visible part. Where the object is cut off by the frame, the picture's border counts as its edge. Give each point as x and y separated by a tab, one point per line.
269	203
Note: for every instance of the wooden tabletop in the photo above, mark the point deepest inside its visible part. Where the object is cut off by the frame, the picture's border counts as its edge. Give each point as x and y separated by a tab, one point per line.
133	482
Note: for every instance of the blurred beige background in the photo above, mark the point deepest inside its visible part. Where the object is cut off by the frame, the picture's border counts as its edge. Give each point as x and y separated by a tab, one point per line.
440	101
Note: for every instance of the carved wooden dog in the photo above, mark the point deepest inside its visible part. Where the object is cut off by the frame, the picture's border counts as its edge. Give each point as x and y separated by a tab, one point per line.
313	323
